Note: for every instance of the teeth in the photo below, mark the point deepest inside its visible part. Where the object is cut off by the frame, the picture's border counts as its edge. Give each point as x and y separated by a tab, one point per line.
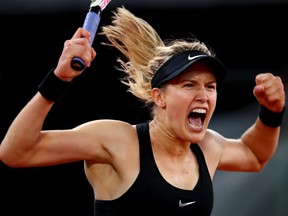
199	111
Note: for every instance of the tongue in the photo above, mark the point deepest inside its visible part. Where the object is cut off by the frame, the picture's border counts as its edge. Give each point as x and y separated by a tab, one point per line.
195	121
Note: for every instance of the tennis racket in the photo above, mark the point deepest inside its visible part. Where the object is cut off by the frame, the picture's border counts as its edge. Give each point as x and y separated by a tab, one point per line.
91	24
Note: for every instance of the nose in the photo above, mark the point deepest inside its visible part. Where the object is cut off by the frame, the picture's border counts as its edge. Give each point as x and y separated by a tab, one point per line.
201	94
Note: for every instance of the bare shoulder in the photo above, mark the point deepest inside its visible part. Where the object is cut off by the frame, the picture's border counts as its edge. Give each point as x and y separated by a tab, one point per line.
107	138
107	126
212	146
213	136
116	158
108	131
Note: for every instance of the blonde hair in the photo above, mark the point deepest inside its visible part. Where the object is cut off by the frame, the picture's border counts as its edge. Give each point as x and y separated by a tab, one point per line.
144	50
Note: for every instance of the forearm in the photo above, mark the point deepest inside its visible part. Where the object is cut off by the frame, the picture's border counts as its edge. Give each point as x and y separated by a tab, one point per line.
262	140
263	137
25	130
18	145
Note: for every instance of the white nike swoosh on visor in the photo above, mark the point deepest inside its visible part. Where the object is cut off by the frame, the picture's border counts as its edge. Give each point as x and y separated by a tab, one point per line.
190	58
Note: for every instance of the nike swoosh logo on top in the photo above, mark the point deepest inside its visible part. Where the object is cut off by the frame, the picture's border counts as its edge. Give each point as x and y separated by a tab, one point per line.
190	58
185	204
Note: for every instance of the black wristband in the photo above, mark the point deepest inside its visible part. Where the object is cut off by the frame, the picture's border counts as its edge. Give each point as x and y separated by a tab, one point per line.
269	118
52	88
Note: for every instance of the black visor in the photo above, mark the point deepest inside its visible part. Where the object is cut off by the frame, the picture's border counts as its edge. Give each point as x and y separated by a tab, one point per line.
181	61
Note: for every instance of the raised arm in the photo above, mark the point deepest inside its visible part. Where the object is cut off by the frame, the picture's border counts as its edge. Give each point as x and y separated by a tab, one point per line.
258	144
20	144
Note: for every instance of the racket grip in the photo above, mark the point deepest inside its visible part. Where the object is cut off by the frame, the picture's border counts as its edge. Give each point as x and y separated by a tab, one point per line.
91	24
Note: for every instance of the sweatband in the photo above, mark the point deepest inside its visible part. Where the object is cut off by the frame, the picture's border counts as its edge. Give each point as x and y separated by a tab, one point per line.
269	118
52	88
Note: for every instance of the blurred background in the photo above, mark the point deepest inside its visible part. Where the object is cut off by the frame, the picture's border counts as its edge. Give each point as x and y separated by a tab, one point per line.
249	36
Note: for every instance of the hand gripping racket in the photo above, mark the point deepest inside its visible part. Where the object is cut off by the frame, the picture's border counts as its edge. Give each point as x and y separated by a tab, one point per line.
91	24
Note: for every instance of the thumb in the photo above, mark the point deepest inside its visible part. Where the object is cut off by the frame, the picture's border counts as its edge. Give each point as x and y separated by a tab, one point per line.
258	91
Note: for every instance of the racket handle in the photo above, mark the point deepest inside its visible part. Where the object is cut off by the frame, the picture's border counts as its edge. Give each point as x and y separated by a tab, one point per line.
91	24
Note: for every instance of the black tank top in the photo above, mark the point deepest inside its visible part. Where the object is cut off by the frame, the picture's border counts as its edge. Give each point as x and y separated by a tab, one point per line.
151	193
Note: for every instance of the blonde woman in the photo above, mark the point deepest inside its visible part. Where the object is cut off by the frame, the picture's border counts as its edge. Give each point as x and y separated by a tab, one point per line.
163	165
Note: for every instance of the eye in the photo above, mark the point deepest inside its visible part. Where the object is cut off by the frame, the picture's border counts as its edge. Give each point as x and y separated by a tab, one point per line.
211	86
188	85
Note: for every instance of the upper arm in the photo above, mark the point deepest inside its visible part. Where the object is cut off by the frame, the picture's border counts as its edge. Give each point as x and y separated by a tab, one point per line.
229	154
89	141
236	156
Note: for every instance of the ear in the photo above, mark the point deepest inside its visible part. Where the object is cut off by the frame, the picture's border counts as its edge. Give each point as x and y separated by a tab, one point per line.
158	97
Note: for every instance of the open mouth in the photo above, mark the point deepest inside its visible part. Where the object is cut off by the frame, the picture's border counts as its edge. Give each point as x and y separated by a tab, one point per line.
196	118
